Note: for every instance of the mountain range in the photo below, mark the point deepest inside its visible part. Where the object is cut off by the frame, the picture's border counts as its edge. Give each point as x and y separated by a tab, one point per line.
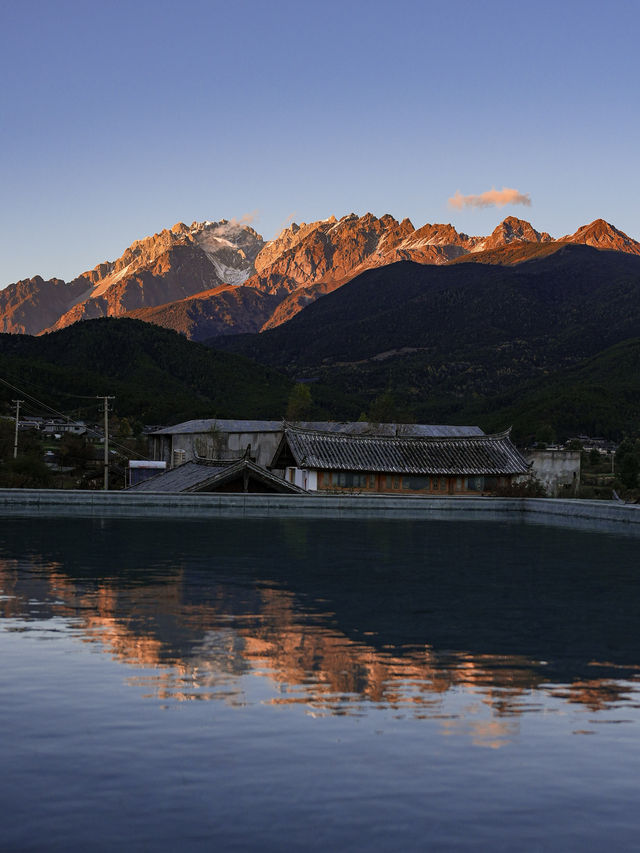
436	326
219	278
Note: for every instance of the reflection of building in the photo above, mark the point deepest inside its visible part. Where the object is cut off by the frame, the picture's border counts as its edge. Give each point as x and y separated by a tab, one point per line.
193	646
438	465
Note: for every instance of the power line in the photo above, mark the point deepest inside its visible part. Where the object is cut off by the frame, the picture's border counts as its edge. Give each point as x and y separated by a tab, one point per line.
58	393
70	420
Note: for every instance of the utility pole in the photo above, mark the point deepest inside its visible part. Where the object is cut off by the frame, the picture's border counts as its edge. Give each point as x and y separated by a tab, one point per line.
105	400
15	440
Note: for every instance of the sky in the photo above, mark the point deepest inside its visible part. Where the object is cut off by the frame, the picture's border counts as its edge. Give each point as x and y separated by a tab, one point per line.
119	119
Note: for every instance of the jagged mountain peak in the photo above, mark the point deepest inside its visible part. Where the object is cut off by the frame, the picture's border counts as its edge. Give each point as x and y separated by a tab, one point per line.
602	235
332	231
209	236
438	235
179	228
511	230
231	228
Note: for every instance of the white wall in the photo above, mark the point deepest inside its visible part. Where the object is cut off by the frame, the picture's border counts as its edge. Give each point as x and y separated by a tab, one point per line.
557	470
302	477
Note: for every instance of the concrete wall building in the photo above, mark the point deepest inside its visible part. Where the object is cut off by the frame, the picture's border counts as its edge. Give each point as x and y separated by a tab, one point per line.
558	471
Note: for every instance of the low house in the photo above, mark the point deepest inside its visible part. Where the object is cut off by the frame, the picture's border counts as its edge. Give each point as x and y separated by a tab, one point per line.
436	465
558	471
239	475
216	438
58	426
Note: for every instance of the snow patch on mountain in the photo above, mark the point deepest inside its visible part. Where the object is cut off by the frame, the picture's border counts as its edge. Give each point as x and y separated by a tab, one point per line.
230	275
106	282
230	247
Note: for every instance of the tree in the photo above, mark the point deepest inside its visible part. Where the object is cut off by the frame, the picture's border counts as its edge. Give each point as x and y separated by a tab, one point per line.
25	472
545	435
7	434
124	429
75	451
383	409
627	463
300	403
595	457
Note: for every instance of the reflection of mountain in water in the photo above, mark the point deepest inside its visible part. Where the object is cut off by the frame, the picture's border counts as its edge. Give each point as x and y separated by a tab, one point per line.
341	613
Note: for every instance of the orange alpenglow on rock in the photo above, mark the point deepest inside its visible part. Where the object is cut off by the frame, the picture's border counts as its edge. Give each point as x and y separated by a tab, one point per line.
215	278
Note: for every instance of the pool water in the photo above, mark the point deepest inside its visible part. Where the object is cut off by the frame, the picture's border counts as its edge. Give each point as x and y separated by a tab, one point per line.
313	685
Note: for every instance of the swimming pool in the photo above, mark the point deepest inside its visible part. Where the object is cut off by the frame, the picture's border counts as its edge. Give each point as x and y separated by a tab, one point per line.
288	684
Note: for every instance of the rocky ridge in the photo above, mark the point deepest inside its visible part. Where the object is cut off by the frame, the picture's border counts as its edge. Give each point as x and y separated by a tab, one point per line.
602	235
221	277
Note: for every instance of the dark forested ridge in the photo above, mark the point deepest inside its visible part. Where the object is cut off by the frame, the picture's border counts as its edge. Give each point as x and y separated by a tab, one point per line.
475	340
560	302
156	375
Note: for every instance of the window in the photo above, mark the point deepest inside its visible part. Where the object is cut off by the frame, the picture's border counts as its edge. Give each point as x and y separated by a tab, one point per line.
415	484
475	484
349	480
434	484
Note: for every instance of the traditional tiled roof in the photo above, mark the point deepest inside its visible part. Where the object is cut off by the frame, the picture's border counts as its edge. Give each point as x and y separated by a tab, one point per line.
180	479
202	476
453	455
352	427
257	472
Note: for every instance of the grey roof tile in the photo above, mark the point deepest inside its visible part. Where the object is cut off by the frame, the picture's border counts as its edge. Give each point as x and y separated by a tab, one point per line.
453	455
194	476
178	479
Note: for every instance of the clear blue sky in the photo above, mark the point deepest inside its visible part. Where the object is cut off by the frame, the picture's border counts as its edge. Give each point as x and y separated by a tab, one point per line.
119	118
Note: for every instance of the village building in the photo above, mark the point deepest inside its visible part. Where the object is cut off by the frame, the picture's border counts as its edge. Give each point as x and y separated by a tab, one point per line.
557	471
240	475
428	465
214	438
60	426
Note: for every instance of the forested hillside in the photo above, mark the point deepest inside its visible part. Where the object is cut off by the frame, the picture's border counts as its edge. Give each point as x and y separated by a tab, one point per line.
470	340
156	375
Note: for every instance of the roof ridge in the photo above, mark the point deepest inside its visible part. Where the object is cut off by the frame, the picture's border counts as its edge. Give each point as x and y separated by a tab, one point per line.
497	436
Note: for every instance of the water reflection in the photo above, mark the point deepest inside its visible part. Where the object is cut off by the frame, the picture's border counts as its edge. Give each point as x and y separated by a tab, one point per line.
343	617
